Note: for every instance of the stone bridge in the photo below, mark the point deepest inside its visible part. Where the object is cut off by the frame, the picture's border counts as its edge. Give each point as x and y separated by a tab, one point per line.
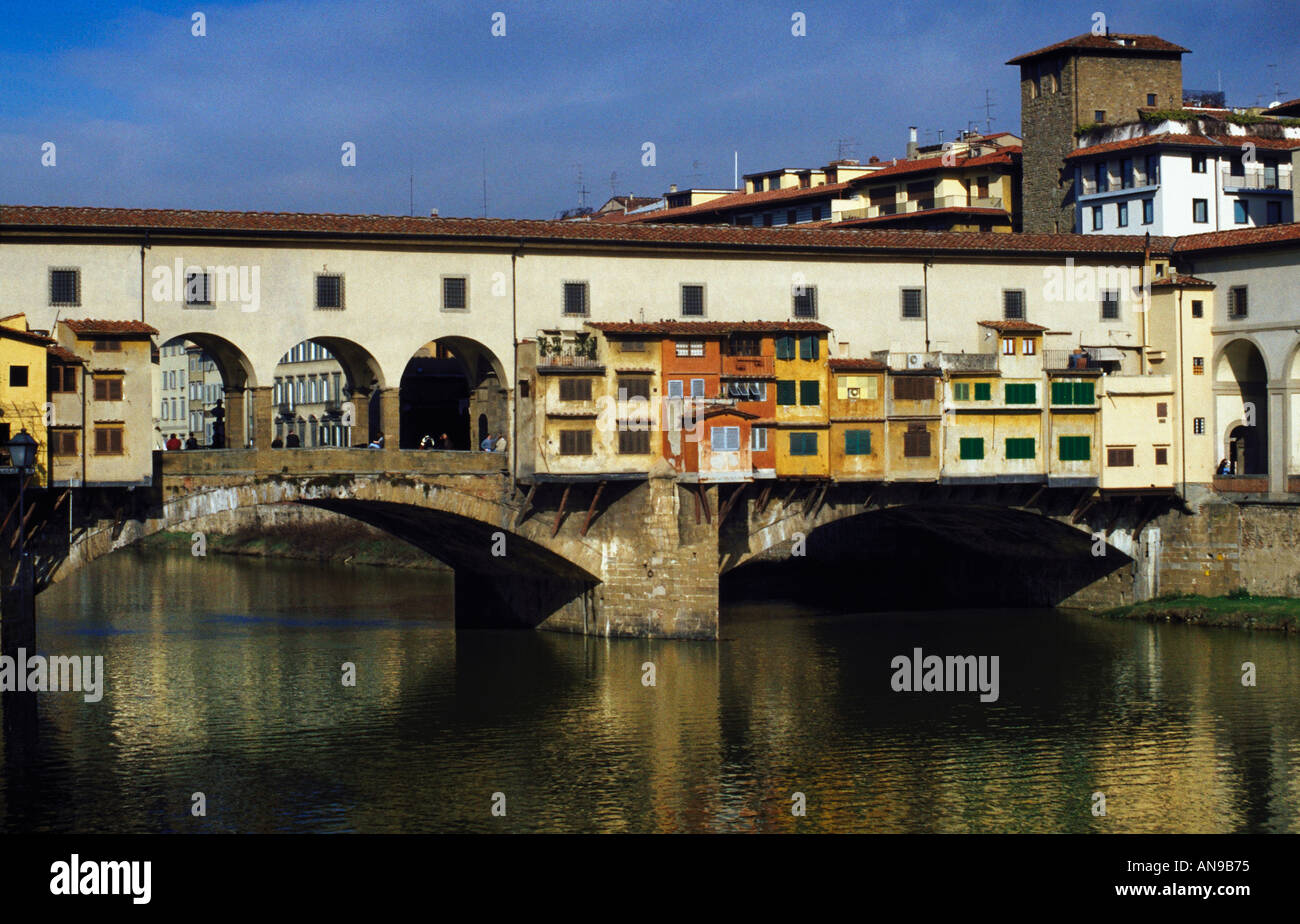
647	557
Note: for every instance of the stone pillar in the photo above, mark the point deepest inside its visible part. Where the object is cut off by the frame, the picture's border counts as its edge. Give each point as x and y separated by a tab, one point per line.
360	399
1278	438
263	414
390	417
236	418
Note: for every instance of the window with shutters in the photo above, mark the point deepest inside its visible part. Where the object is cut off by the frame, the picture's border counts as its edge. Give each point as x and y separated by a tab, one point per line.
983	391
455	293
758	439
634	388
810	393
575	298
1021	393
64	379
63	442
108	388
970	448
1074	448
724	439
575	389
1072	392
805	301
1013	304
913	388
857	442
803	444
692	301
329	290
108	441
785	392
1162	455
1119	456
785	348
961	391
575	442
632	346
1020	448
107	346
632	442
910	300
809	348
916	441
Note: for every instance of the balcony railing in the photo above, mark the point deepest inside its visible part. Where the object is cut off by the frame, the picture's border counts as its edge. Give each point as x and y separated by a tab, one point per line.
564	360
1256	179
921	205
1139	180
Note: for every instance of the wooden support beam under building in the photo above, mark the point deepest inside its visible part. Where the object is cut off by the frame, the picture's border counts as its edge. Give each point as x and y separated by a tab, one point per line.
704	500
591	511
22	527
559	514
821	499
1033	497
731	502
765	496
522	513
1085	502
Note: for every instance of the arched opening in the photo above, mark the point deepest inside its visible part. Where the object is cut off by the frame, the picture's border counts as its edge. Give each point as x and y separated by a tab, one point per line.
315	394
202	384
455	388
1241	395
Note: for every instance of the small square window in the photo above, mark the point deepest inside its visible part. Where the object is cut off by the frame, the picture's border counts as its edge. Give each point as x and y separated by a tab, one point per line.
1008	346
1099	115
1013	304
1121	214
692	301
1238	303
1151	99
1198	365
1240	212
911	303
1198	309
1110	305
18	376
329	291
1200	211
455	292
198	289
805	301
1198	425
1162	455
1198	163
576	298
1098	220
65	287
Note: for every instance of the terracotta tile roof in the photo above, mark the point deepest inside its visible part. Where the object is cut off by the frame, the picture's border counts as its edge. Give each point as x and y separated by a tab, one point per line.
25	336
1181	280
1179	140
925	164
1242	237
516	231
706	328
64	356
1108	44
857	365
1011	325
1290	108
94	327
743	200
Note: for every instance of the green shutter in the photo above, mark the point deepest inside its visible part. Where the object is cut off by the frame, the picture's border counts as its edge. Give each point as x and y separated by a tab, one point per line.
1021	394
785	392
1063	392
810	393
808	348
971	447
1083	393
1075	449
857	442
961	391
803	444
785	348
983	391
1020	448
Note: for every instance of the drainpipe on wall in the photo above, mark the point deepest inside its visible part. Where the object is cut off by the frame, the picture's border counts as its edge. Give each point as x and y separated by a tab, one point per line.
513	402
925	297
143	247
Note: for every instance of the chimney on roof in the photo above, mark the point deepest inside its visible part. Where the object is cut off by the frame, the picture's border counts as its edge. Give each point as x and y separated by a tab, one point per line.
911	142
672	187
433	213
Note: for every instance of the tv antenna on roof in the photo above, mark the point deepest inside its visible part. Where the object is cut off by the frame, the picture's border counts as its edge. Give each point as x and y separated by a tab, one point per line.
988	112
582	188
846	148
613	183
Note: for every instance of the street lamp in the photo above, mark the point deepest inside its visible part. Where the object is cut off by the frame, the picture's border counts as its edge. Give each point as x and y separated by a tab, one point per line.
21	630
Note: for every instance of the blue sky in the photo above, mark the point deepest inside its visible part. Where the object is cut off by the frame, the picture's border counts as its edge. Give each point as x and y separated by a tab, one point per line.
253	116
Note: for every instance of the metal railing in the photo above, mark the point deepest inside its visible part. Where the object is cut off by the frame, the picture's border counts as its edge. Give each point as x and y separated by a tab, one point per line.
552	361
1256	179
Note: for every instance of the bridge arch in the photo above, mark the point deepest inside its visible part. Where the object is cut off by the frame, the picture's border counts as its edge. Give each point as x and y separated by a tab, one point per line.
1241	379
453	386
183	361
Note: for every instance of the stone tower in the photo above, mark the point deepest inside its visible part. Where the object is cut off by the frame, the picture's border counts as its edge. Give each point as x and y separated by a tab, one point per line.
1082	81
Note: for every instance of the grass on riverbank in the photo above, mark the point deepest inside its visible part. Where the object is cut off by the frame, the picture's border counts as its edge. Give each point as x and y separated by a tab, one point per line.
1236	610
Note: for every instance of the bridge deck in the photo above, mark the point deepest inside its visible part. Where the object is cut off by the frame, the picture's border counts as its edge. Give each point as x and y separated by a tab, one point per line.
332	460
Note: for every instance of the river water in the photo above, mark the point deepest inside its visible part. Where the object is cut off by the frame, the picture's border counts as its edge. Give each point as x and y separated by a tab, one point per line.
224	677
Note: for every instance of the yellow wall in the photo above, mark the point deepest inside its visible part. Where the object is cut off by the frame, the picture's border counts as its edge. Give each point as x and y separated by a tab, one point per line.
24	407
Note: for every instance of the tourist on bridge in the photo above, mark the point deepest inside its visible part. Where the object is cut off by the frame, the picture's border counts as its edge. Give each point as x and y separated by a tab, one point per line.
173	443
277	443
426	442
292	440
191	443
377	442
444	442
488	442
500	443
